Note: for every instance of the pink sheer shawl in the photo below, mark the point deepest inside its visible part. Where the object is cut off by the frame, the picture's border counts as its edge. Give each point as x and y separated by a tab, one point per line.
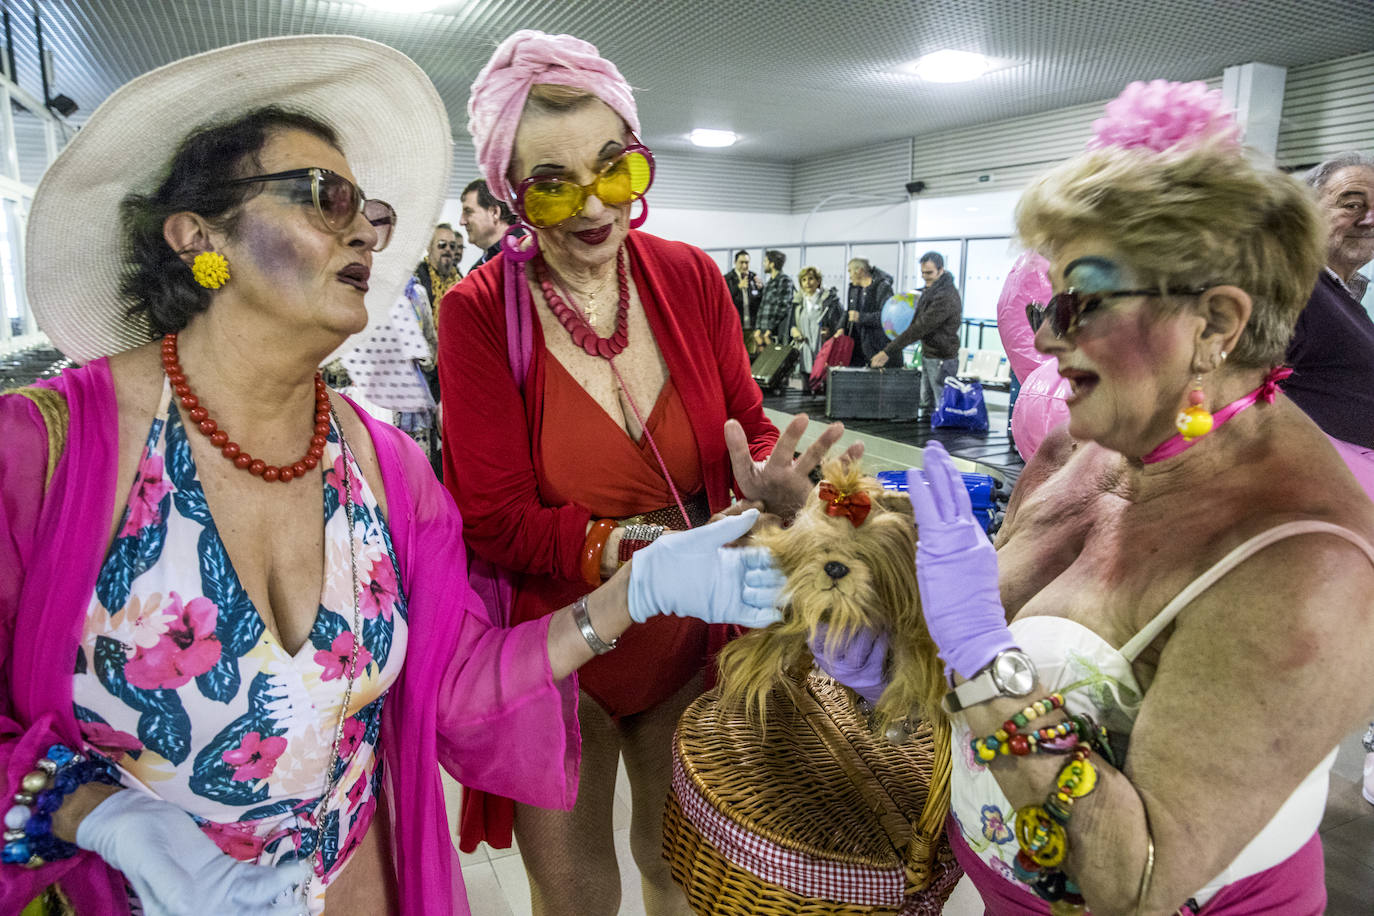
478	700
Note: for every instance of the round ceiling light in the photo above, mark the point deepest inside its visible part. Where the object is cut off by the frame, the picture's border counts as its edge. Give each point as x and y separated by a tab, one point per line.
951	66
403	6
705	136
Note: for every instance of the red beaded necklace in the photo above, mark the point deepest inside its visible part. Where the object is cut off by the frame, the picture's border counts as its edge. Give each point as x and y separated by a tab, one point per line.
608	348
583	334
220	439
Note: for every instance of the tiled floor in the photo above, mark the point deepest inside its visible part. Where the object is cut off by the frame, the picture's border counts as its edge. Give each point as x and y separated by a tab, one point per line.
495	878
496	884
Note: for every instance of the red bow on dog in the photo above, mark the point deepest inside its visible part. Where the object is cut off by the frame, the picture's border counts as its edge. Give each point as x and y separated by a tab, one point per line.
853	506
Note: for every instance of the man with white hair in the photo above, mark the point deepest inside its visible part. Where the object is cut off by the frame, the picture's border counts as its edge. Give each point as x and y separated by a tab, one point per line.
1332	351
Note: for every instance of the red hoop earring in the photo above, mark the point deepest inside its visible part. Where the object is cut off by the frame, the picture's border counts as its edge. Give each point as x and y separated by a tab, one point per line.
637	221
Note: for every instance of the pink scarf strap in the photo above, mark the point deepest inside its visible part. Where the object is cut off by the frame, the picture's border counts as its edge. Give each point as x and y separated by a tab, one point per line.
1266	392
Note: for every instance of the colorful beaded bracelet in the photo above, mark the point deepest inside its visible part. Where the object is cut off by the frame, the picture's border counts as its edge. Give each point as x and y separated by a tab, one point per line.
29	840
1042	832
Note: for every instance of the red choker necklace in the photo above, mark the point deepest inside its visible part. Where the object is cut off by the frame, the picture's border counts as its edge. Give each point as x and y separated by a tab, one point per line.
220	439
583	334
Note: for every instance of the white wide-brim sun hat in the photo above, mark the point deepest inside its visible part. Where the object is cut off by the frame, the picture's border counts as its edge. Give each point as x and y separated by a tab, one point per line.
390	120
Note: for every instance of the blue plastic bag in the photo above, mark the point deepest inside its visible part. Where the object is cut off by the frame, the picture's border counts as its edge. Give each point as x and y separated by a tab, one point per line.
961	407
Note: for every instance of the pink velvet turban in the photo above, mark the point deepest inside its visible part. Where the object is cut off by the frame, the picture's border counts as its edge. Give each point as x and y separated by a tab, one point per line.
528	57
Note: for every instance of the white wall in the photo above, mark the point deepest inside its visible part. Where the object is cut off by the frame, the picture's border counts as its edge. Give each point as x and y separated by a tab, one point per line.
721	228
964	215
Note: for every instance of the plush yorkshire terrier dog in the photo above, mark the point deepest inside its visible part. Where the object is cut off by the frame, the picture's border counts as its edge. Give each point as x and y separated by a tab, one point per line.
849	559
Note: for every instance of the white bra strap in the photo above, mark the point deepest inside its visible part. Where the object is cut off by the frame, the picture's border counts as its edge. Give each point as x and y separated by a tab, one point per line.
165	401
1229	562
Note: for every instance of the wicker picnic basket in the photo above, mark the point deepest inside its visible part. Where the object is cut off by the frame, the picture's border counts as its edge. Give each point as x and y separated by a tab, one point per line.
814	816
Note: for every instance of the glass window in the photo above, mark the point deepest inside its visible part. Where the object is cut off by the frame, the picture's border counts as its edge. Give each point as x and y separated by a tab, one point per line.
31	141
885	256
989	262
791	263
15	307
830	261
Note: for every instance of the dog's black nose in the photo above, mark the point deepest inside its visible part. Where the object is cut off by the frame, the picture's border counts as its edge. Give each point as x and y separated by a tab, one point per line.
836	570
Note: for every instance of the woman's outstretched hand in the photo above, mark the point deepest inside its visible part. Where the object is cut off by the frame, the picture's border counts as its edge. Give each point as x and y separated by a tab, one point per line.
176	869
780	481
693	574
956	568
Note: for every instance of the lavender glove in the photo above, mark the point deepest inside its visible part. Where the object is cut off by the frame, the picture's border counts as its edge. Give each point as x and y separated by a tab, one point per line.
860	664
956	568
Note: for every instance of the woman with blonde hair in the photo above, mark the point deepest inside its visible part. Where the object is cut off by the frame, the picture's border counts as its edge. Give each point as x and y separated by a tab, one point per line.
1155	665
816	315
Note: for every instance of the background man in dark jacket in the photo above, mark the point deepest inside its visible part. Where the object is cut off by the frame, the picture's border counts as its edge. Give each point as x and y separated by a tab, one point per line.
1332	350
935	324
746	293
869	290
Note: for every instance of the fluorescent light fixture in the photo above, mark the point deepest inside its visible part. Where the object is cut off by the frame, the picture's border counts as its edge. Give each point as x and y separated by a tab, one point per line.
705	136
951	66
402	6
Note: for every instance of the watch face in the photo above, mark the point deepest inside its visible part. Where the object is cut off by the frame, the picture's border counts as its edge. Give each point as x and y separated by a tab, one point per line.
1014	674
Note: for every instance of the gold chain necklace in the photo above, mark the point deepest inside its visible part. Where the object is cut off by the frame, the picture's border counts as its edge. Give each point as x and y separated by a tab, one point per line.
331	780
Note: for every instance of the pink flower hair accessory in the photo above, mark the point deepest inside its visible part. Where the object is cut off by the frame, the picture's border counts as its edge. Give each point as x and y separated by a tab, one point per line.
528	57
1160	115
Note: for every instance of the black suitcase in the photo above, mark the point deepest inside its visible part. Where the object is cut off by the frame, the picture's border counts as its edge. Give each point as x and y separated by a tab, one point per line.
858	393
774	365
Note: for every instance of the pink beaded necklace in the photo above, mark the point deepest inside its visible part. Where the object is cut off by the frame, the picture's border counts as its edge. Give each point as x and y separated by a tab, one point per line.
608	348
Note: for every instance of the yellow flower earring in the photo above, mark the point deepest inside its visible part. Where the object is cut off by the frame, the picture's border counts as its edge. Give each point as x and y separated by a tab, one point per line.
210	269
1194	420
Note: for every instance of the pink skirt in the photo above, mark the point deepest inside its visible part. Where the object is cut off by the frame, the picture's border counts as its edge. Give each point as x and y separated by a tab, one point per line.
1294	887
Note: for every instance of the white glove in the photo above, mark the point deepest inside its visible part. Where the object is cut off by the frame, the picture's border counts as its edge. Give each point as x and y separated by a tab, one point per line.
176	869
693	574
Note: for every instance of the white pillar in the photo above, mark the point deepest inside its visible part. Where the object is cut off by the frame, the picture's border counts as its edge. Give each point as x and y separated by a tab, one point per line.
1255	91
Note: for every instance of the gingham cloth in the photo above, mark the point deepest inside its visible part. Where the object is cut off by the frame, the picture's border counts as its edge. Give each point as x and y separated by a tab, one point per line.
802	874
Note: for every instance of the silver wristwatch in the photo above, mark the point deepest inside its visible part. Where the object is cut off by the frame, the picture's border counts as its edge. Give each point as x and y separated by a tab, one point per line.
1011	674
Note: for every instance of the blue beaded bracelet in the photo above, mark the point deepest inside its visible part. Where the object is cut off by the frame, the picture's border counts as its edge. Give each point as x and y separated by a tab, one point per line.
29	840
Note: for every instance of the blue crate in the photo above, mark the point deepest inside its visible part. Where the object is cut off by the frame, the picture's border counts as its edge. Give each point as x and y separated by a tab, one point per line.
981	491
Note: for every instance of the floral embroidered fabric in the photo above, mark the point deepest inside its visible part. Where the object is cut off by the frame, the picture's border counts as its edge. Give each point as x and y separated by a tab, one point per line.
179	684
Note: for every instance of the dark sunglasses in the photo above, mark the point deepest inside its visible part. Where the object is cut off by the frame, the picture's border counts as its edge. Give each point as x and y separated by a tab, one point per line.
445	246
337	200
545	201
1065	310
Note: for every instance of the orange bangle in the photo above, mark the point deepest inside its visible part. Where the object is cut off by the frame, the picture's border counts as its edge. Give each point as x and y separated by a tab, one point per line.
592	550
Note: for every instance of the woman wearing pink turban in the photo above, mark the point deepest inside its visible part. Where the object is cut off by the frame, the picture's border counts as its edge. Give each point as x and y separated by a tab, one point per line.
596	391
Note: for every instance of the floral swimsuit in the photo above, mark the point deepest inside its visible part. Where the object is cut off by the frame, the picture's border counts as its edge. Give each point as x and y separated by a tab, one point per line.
180	686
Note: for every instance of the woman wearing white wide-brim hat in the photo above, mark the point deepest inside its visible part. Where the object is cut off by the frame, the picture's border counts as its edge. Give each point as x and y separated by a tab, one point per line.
235	622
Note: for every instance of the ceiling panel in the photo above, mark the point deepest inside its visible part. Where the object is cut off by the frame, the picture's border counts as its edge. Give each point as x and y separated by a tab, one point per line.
796	78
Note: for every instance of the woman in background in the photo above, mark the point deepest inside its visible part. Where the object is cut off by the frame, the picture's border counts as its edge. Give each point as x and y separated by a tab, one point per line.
817	315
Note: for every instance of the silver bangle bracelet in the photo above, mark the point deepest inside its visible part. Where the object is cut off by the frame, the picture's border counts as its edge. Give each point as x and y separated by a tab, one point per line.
584	623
